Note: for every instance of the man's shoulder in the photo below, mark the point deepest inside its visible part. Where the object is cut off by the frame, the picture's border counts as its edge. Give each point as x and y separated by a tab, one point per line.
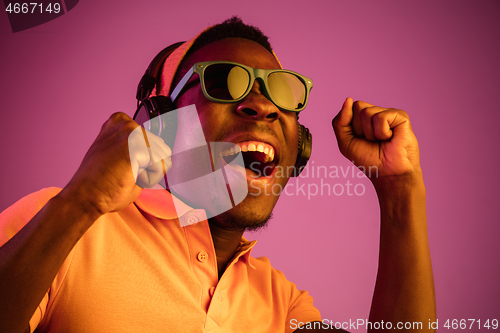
16	216
264	270
41	196
32	202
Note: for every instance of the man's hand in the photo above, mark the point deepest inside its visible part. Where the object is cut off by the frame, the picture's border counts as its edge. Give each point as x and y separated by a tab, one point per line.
119	159
104	183
373	136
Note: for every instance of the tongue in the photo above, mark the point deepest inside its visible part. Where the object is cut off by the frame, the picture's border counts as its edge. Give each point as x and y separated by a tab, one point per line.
253	156
254	161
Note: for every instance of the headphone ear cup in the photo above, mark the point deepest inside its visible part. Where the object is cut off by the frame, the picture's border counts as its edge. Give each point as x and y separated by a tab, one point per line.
143	115
304	150
154	115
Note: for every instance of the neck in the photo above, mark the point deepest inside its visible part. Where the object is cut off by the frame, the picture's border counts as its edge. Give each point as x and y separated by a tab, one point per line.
226	243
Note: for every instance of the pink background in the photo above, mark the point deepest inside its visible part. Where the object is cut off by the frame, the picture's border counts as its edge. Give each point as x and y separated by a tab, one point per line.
436	60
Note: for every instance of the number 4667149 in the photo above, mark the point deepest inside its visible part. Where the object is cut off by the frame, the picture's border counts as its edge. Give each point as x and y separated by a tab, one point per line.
32	7
462	324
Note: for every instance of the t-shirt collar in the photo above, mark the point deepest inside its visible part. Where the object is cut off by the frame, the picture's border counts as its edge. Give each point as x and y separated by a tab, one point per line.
161	204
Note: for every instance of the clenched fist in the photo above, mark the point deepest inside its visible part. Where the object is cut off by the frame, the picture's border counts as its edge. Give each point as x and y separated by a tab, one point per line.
122	157
373	136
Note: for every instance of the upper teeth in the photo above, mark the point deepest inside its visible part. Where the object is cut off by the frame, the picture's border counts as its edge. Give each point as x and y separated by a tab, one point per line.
252	146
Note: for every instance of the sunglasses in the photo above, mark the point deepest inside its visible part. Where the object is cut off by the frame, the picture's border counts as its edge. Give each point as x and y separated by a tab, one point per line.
229	82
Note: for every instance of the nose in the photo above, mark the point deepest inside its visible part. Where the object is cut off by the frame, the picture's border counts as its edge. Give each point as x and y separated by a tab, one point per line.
256	105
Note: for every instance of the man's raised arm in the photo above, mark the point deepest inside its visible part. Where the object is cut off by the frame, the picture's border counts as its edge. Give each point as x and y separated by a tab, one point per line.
381	138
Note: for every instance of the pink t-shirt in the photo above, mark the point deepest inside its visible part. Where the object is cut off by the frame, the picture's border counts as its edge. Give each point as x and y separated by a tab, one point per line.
138	270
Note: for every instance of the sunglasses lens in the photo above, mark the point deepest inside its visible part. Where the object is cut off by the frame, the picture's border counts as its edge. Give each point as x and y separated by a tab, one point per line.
226	81
237	82
287	90
230	82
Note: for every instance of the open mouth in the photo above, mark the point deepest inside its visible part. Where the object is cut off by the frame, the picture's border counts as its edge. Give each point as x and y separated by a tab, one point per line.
258	157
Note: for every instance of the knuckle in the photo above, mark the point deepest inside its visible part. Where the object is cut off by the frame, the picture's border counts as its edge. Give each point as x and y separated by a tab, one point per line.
360	105
364	112
119	116
129	126
379	116
356	107
124	120
136	139
401	113
357	104
117	119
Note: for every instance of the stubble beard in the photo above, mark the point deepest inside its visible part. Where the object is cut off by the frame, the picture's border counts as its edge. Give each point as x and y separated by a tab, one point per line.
248	221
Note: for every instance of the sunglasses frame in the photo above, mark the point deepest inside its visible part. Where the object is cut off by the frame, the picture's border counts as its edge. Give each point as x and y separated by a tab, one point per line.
254	73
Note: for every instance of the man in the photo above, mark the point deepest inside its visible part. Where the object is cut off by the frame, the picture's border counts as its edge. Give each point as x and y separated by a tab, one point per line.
114	257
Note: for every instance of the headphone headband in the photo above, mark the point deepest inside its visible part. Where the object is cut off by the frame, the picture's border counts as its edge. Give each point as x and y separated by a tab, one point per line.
150	78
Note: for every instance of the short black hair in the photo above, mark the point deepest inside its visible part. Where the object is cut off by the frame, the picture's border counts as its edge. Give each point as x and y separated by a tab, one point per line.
230	28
